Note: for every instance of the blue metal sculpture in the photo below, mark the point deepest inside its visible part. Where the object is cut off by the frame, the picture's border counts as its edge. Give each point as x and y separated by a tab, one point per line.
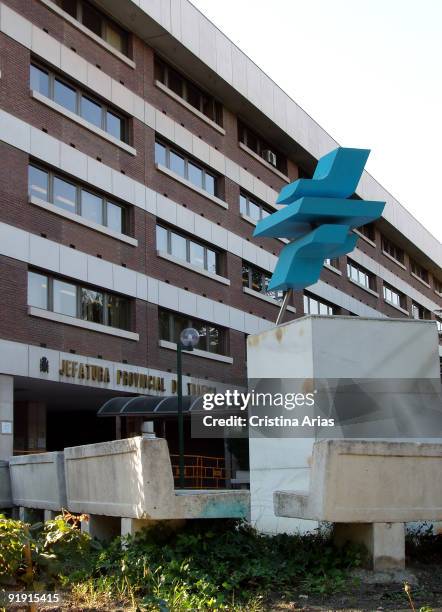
319	218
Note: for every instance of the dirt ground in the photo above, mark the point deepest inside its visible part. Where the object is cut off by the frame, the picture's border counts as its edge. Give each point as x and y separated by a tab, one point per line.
362	597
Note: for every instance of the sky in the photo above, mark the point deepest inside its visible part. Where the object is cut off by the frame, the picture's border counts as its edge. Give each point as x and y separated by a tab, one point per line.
368	71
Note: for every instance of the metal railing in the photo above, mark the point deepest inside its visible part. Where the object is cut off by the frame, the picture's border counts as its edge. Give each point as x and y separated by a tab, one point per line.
200	471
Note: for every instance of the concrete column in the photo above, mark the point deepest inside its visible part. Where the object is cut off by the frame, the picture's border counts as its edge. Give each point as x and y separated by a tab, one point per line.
103	528
385	542
6	416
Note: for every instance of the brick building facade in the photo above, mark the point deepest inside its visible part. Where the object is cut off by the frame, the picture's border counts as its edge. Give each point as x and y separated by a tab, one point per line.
139	147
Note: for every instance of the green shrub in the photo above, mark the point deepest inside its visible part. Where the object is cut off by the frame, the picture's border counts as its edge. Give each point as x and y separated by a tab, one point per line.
210	565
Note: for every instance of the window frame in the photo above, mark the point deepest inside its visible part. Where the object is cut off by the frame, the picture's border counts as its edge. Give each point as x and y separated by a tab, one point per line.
265	277
371	278
401	296
390	249
79	188
421	309
245	134
189	322
188	240
162	72
308	297
252	200
78	292
104	22
419	272
79	93
188	159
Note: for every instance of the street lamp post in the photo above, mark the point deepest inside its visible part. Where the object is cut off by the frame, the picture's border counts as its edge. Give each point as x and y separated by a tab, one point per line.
187	341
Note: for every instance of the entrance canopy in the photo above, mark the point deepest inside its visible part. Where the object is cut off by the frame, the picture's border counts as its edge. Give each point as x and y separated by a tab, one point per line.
149	406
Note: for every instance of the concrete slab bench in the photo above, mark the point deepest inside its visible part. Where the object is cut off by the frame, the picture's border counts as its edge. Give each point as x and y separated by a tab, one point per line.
132	479
38	482
5	486
369	490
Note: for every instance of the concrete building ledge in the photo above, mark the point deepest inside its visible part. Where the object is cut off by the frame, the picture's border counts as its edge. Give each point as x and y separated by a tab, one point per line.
367	289
189	266
197	352
189	107
266	298
67	320
82	220
190	185
262	161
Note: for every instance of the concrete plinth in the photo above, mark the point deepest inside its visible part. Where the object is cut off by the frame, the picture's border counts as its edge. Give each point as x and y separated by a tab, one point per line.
315	348
104	528
6	416
385	542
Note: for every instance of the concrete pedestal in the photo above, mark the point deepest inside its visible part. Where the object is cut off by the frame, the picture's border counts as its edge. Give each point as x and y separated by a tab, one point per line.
6	416
385	542
325	347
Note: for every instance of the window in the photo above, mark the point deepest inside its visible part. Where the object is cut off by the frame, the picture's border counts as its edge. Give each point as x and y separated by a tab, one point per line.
186	168
38	183
317	307
439	325
37	290
419	271
50	187
212	337
393	251
395	297
64	298
257	280
368	231
96	22
437	285
188	91
73	300
187	249
360	276
252	208
74	100
333	263
259	146
419	312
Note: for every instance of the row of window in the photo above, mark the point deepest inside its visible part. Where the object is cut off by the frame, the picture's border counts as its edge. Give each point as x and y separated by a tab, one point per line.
73	300
73	99
97	306
51	187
